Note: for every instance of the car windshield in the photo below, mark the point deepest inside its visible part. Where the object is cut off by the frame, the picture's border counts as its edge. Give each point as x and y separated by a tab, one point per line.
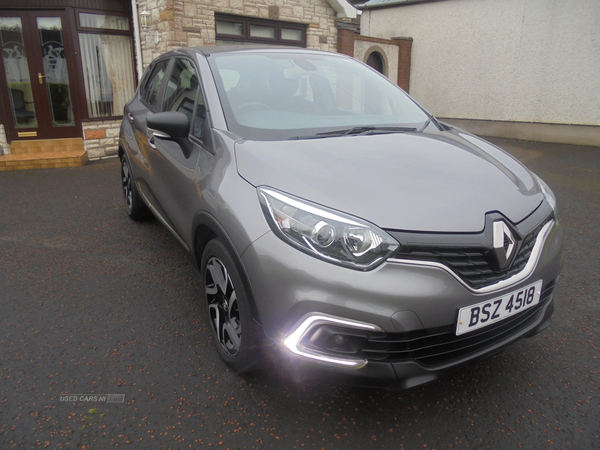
276	95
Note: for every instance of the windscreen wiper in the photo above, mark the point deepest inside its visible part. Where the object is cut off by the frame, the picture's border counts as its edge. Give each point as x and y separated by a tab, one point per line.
356	131
359	131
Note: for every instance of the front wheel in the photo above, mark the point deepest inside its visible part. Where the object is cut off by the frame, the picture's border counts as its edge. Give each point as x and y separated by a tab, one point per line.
135	207
228	308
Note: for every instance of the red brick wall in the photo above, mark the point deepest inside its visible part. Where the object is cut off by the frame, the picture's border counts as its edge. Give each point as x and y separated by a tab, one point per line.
346	42
405	46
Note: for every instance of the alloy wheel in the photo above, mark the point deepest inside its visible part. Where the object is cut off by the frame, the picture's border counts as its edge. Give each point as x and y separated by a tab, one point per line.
223	306
126	184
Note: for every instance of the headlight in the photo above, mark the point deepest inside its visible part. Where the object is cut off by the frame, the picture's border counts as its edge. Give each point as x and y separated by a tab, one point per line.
550	198
327	234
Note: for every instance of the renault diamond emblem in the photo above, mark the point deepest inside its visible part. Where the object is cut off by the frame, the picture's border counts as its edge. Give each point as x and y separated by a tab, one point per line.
504	244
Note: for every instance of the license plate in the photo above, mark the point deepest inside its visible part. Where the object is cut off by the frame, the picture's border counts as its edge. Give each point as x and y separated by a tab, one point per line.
492	311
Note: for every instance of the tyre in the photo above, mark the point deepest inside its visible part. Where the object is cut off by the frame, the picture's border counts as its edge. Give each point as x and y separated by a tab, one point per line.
228	308
134	205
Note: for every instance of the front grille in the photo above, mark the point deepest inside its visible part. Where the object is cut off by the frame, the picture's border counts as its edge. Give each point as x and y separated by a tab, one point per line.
442	345
474	265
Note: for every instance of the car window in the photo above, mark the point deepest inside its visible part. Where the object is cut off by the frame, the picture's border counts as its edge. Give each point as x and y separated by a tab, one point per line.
151	89
181	93
230	78
181	89
198	123
276	95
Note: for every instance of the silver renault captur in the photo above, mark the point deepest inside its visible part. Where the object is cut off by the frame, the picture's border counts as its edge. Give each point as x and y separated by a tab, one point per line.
335	220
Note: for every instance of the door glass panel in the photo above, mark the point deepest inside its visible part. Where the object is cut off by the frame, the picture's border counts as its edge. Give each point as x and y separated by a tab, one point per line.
55	71
17	72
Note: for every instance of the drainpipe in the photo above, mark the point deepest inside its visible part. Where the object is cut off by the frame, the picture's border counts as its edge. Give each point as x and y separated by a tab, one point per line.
137	37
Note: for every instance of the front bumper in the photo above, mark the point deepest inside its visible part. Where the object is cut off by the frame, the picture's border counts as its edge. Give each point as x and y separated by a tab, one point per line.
399	375
412	308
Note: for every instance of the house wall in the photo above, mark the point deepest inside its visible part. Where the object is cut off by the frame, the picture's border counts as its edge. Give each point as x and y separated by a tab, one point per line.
515	61
395	53
101	138
190	23
363	48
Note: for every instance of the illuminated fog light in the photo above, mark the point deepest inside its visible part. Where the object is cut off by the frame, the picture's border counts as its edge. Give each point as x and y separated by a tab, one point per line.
308	323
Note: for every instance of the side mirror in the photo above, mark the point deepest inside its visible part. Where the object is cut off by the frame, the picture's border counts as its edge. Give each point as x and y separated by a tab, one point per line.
173	126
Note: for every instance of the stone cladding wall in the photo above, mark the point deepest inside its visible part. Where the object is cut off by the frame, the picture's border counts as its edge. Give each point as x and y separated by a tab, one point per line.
4	146
101	138
190	23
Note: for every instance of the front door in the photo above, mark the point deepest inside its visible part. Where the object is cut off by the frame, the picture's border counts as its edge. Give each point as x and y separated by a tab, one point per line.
36	75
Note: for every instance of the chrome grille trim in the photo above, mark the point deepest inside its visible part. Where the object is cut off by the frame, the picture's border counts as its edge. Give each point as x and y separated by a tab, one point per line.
527	270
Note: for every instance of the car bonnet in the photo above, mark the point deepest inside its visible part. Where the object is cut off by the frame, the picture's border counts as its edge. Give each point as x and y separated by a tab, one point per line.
443	182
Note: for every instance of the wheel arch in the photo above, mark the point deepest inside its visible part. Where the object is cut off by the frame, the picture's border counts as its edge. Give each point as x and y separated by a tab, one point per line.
121	151
206	228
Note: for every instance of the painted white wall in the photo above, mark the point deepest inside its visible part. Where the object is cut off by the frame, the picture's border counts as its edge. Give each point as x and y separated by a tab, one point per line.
509	60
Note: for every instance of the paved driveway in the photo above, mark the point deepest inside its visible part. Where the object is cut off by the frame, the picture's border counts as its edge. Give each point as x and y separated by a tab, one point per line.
92	303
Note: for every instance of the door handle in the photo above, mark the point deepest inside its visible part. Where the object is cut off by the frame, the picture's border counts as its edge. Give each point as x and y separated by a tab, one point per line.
152	133
150	138
130	117
41	78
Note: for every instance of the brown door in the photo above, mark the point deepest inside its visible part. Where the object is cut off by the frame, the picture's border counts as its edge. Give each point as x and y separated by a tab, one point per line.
36	75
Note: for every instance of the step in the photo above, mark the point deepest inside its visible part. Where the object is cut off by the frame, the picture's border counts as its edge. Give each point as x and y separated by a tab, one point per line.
43	160
46	146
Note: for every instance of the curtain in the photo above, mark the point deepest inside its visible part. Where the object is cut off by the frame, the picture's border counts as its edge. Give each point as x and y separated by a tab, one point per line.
109	75
118	57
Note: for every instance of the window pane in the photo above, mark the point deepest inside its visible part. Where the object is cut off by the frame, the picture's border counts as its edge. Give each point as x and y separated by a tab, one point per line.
236	29
233	30
198	125
108	73
291	35
152	88
262	31
181	89
103	21
17	72
230	78
55	70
